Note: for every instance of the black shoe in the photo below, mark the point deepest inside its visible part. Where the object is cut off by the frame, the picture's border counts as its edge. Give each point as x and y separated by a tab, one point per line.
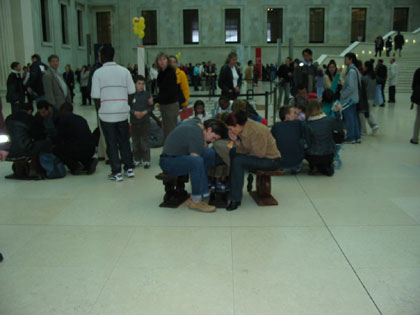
233	205
382	105
92	166
413	142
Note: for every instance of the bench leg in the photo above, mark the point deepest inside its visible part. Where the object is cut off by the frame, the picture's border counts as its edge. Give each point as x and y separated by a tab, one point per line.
175	193
262	195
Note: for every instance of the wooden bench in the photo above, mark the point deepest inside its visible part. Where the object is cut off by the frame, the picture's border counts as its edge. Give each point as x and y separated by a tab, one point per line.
262	195
175	193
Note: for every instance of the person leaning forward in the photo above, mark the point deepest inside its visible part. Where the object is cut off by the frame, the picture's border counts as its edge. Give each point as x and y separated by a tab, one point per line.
185	152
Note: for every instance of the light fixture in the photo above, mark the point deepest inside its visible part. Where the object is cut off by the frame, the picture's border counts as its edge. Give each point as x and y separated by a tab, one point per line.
363	52
4	138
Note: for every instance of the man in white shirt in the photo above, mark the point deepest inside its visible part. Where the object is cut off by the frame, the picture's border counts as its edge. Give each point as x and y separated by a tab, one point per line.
112	91
393	79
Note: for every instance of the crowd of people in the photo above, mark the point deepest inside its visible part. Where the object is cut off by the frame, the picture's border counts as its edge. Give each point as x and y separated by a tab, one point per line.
319	104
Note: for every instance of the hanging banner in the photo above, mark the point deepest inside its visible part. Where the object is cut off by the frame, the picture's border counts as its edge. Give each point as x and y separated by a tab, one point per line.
258	61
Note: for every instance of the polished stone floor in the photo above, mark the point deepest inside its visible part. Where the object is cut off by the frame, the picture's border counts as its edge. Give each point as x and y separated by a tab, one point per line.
349	244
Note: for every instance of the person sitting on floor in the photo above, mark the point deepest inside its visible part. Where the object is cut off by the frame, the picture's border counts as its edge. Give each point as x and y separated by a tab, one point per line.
289	135
199	111
75	144
184	152
319	138
255	149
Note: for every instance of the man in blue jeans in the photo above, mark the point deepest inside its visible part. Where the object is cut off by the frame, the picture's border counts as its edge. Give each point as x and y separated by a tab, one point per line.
112	91
185	152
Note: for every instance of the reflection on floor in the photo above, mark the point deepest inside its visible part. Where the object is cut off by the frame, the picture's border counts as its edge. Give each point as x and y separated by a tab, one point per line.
349	244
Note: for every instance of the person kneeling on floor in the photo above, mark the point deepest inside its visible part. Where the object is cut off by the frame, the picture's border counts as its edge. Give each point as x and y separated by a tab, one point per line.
289	135
184	152
319	138
75	144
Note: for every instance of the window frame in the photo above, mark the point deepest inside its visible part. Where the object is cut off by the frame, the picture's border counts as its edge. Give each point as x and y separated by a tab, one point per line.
239	32
351	23
64	19
324	25
45	19
148	27
192	30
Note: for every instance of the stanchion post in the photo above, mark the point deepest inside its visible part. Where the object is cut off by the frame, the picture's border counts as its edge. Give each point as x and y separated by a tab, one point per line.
266	105
275	105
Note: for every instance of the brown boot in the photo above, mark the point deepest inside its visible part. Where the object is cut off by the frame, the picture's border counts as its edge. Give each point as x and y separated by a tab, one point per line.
201	206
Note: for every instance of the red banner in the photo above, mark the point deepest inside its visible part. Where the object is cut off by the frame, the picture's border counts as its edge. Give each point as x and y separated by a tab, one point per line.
258	61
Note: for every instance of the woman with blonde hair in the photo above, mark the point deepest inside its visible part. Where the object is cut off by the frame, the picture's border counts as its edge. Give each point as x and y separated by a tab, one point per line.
230	78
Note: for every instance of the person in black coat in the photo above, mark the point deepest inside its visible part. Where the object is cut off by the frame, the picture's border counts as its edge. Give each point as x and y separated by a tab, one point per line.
169	92
230	78
399	43
68	76
75	144
35	86
415	98
15	90
381	76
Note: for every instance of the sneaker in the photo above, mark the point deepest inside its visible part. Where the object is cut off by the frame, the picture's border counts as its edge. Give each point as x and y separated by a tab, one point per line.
115	177
375	129
137	163
350	141
201	206
413	142
359	140
146	165
129	173
92	166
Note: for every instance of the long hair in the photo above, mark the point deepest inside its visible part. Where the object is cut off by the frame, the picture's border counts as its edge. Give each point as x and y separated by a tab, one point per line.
160	55
332	62
231	55
314	108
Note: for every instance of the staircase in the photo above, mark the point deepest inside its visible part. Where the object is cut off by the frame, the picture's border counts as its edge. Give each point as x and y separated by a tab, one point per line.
408	63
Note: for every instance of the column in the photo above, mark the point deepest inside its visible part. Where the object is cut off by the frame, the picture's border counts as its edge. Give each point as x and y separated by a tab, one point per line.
7	53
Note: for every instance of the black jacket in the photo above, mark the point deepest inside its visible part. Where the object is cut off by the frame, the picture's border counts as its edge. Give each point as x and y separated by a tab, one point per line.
74	134
319	135
307	77
168	87
289	137
20	126
15	90
226	79
35	78
399	41
381	73
283	72
69	78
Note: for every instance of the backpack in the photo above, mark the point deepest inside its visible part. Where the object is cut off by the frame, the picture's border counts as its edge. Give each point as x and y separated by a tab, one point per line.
155	134
52	165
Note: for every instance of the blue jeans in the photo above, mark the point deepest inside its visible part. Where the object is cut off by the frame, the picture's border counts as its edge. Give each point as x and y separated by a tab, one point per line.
352	123
196	166
241	162
117	137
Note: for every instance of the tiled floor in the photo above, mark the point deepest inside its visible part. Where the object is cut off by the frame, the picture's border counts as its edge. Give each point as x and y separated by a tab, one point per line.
349	244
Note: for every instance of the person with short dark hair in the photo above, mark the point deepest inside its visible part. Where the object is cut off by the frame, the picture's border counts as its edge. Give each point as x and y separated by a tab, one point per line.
369	86
289	135
113	90
141	109
399	42
35	87
307	72
381	77
15	91
285	75
255	149
248	75
184	153
75	145
55	87
379	45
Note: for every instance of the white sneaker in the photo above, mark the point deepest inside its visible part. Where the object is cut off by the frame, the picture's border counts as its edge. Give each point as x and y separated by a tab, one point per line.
129	173
146	164
115	177
137	163
375	129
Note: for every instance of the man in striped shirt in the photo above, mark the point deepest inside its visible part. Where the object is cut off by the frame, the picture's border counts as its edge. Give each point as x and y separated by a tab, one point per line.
112	91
